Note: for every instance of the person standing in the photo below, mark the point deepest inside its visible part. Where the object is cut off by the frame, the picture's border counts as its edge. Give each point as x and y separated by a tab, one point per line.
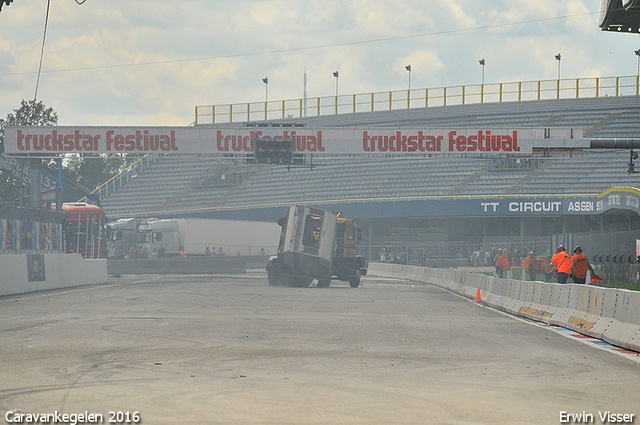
529	265
579	266
502	262
561	262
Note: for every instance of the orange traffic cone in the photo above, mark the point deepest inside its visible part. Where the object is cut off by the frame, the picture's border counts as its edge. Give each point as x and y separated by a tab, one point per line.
478	297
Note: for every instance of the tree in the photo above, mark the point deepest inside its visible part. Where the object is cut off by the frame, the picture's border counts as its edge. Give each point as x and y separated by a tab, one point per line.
29	113
88	170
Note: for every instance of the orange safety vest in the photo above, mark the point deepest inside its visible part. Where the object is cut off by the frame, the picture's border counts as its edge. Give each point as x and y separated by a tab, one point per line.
562	262
580	265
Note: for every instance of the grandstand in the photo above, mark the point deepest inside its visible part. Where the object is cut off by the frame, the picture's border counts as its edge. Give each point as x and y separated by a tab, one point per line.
179	185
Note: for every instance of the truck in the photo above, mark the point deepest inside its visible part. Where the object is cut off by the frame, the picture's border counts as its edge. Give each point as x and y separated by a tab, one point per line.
192	236
316	245
122	235
84	229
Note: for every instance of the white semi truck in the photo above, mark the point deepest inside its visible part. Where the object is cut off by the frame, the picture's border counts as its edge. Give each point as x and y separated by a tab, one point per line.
193	236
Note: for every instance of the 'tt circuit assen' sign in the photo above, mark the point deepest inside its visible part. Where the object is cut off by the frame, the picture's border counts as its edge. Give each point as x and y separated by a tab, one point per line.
25	140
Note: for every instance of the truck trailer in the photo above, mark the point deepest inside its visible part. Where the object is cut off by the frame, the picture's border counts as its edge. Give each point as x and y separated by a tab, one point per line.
192	236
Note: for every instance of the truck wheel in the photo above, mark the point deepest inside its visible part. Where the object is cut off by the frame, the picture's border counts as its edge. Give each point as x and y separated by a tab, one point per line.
275	278
324	283
355	280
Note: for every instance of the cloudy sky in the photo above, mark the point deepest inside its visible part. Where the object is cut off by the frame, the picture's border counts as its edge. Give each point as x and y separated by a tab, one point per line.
135	62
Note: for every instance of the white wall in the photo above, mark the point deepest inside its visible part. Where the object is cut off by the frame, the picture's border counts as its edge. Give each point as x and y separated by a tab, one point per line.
61	271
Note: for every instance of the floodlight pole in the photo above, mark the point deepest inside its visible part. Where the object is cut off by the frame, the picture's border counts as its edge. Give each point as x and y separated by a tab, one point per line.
408	68
265	80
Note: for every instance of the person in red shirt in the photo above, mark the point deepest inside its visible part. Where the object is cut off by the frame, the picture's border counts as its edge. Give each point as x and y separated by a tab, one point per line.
561	262
579	266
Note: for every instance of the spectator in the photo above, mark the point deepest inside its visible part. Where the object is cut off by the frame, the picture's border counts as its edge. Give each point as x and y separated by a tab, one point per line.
162	252
529	265
112	252
502	265
579	266
502	262
220	251
561	264
207	251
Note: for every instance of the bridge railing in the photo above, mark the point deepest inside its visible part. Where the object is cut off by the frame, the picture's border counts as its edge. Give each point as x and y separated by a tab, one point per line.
571	88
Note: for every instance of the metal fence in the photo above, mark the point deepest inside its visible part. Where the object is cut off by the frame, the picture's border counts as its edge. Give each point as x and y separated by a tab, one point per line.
572	88
455	254
602	248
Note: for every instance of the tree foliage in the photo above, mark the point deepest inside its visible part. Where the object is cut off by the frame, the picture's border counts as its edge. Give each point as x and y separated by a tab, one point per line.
29	113
89	170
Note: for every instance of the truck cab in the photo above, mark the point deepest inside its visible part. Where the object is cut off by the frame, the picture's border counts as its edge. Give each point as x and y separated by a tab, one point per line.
159	237
347	264
122	236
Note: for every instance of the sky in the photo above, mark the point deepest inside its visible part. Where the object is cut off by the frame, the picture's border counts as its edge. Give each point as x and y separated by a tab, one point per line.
135	62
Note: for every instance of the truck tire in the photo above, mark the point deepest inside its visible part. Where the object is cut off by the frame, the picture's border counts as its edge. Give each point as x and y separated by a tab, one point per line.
275	278
355	280
324	283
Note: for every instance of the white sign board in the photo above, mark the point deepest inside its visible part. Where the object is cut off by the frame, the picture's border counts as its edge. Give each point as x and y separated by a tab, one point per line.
210	140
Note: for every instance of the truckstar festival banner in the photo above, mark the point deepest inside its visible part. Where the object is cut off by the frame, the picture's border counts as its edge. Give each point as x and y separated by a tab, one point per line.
212	140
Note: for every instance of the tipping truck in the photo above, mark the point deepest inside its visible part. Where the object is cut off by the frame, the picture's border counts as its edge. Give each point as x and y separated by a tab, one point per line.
316	245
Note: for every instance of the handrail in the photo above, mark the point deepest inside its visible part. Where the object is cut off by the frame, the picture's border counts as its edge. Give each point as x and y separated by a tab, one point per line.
122	177
571	88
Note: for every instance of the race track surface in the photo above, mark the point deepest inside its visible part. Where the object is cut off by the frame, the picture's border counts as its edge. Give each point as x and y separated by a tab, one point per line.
234	350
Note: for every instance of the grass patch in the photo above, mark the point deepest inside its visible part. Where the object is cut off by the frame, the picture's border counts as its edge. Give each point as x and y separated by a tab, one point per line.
517	274
619	285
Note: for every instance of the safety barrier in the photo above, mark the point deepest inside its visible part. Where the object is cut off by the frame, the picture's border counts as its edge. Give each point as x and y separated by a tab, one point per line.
612	315
177	265
23	273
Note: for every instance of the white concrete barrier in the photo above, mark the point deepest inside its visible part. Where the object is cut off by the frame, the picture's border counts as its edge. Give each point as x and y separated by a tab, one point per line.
610	314
21	273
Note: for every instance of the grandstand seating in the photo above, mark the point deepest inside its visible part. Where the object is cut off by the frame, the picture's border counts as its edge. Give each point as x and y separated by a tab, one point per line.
172	183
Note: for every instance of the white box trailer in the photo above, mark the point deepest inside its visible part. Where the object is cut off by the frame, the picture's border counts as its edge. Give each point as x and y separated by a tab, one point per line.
235	237
194	235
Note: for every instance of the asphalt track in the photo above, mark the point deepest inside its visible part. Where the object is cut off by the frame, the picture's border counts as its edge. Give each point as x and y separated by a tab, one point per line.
234	350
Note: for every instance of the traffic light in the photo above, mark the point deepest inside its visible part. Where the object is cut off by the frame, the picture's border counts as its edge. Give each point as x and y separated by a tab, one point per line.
273	151
3	2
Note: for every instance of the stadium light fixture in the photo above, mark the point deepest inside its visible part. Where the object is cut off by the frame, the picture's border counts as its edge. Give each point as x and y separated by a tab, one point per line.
408	68
482	63
336	74
265	80
559	59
